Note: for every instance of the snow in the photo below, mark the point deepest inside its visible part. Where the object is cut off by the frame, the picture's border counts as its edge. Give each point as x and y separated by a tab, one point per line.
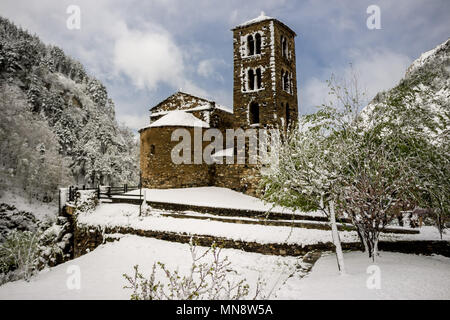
101	270
403	276
224	108
42	211
261	17
115	215
426	56
127	215
178	118
216	197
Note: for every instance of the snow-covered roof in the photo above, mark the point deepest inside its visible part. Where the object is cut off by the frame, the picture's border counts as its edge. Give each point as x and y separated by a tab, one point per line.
203	107
178	118
261	17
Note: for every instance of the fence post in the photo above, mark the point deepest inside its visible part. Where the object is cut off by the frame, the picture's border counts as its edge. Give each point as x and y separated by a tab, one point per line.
98	191
109	192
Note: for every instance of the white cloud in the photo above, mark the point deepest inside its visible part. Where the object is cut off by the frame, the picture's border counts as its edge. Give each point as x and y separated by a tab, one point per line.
376	70
149	58
134	122
208	68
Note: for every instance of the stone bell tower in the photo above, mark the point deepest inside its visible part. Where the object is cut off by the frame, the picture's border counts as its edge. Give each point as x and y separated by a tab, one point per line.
265	81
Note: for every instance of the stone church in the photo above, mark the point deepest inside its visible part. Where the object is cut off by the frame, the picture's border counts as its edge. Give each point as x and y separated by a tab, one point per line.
264	96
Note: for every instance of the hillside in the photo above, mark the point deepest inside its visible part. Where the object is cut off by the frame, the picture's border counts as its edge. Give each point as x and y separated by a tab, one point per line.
421	100
57	123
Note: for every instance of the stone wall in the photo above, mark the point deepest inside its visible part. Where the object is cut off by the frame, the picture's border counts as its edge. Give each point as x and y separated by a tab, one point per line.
87	238
158	169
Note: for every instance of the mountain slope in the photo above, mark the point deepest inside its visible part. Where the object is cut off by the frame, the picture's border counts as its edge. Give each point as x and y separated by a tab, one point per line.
421	100
57	123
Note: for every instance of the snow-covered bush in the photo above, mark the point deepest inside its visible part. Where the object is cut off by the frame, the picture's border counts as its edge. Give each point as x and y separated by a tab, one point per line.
20	253
86	200
205	280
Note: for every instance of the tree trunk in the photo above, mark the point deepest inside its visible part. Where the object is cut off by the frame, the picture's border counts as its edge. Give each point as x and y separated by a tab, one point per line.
336	240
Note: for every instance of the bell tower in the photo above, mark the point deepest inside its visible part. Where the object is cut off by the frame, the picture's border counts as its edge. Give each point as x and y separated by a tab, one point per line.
265	80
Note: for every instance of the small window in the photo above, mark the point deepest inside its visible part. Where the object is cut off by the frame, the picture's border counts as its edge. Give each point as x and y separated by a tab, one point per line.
254	113
288	115
283	47
152	149
250	45
286	81
258	78
258	43
251	79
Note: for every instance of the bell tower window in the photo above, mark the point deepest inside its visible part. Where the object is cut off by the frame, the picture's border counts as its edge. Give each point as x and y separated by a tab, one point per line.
251	79
284	47
288	115
258	78
258	43
254	113
250	45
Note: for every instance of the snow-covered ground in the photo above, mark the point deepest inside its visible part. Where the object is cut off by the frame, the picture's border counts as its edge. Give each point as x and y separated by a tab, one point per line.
402	276
214	197
42	211
121	214
101	270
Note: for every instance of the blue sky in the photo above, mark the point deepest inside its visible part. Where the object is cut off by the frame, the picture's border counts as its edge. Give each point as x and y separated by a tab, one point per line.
143	51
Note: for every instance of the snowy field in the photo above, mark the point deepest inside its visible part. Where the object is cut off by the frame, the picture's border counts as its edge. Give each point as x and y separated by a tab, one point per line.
122	214
215	197
402	276
101	270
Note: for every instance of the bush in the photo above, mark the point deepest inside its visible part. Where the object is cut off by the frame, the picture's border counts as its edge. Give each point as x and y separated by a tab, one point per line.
205	281
20	253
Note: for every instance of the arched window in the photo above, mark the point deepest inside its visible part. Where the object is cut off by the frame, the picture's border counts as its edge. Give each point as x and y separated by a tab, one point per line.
250	45
152	149
282	78
254	113
258	43
251	79
283	47
258	78
288	115
286	81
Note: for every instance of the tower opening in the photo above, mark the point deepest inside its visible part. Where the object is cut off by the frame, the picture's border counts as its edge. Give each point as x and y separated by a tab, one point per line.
288	115
250	45
258	43
258	78
254	113
251	79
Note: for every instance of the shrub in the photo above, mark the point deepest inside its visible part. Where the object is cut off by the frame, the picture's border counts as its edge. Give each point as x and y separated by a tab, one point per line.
204	281
20	253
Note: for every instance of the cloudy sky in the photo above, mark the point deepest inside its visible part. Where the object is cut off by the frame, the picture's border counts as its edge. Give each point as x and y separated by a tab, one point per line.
143	51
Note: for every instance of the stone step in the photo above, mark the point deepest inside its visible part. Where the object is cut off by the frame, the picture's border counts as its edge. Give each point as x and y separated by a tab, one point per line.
227	212
296	223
